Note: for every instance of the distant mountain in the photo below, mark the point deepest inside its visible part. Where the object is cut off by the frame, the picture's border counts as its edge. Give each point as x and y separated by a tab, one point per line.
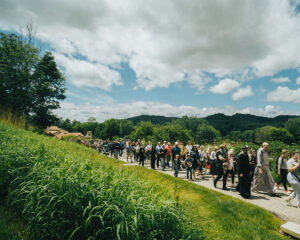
224	123
242	122
154	119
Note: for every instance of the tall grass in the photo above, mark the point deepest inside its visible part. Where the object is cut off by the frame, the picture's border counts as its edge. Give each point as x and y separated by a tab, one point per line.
16	119
61	194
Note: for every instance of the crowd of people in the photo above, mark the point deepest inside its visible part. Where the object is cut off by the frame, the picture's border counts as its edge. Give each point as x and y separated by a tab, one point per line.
251	168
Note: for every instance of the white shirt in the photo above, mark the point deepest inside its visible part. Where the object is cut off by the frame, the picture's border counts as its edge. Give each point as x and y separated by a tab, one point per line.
188	148
201	154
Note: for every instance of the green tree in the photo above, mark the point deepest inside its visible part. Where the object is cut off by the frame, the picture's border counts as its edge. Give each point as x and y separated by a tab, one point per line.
48	88
144	130
247	136
293	126
126	127
263	134
206	134
172	133
30	84
190	123
281	134
111	128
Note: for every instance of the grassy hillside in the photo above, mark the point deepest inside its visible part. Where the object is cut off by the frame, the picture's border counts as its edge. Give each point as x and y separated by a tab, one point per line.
65	190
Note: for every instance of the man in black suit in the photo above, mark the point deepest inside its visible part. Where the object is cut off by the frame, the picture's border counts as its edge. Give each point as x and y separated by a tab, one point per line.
244	184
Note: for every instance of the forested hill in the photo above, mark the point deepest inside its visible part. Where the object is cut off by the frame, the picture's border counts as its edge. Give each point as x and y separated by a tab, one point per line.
224	123
154	119
242	122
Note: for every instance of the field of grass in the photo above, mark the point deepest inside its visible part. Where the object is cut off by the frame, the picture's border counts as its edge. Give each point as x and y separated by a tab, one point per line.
12	227
66	191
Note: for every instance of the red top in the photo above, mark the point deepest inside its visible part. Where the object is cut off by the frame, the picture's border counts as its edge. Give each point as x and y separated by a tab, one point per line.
169	148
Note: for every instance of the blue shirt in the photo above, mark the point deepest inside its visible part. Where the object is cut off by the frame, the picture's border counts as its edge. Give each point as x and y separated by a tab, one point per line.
157	149
175	150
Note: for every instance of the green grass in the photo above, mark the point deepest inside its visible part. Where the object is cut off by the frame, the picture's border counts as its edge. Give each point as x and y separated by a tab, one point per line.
11	226
64	188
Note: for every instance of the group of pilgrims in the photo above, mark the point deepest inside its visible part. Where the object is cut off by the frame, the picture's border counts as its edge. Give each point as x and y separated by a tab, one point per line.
251	168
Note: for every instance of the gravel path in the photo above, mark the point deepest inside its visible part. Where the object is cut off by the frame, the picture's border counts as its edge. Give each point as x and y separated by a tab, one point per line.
275	205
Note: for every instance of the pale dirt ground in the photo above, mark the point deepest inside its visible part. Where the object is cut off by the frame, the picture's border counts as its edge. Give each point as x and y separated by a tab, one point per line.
275	205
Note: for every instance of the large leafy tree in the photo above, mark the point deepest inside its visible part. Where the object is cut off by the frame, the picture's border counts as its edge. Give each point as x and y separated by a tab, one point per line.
206	134
30	84
293	126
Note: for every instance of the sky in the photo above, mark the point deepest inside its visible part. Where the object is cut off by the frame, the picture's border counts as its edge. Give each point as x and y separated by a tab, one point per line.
124	58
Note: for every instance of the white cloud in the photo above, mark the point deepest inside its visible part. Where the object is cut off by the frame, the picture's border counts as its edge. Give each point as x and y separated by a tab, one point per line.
280	80
225	86
242	93
116	110
164	41
284	94
198	80
298	81
86	74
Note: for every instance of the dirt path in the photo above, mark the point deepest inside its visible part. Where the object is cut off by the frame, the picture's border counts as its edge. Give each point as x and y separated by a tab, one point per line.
275	205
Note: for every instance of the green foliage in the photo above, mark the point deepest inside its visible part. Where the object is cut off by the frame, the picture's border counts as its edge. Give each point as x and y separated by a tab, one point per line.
234	135
144	130
126	127
190	123
293	126
263	134
281	134
206	134
11	226
161	120
172	133
31	84
247	136
242	122
63	193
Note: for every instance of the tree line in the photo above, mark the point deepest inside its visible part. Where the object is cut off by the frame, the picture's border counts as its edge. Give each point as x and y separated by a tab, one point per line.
198	130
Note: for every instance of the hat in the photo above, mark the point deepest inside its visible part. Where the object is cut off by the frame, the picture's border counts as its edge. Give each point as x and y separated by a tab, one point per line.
222	145
245	147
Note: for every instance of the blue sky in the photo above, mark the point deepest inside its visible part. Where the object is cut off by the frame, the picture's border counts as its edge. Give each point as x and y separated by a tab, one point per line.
126	58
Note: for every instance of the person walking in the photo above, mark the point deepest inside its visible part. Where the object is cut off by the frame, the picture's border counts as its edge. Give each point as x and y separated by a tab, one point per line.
142	154
263	180
222	172
253	161
201	161
231	165
244	184
129	151
177	163
189	167
168	154
148	150
196	159
116	147
137	150
282	170
153	157
158	152
213	159
188	148
175	151
207	158
293	177
162	157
